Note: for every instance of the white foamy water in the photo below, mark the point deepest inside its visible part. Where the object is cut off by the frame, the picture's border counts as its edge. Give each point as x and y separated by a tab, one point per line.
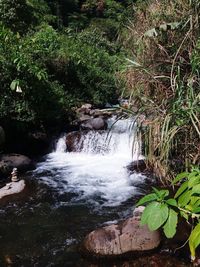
97	174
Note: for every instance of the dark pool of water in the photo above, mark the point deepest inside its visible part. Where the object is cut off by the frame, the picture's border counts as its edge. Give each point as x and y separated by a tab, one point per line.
41	228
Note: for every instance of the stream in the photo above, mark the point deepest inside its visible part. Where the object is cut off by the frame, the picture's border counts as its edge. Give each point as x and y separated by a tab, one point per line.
70	194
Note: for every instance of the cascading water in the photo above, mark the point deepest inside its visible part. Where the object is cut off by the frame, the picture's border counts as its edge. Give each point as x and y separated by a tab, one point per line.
71	194
97	173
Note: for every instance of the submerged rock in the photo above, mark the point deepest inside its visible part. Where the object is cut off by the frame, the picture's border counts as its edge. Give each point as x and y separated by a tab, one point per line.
12	188
10	161
119	239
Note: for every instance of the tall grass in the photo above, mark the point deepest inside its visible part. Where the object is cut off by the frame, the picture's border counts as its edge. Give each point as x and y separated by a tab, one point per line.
163	80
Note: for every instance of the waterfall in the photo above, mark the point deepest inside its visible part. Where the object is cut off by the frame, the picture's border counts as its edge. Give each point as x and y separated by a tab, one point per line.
61	145
96	172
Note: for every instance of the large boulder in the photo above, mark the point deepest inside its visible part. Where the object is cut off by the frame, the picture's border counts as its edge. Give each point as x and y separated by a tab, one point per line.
94	124
2	137
119	239
10	161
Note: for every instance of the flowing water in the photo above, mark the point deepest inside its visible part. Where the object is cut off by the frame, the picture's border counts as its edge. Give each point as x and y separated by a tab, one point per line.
70	194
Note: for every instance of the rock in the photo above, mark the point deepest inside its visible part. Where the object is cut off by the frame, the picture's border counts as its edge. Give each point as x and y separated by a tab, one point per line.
10	161
94	124
75	140
72	139
104	113
83	118
138	211
85	109
12	188
2	137
137	166
122	238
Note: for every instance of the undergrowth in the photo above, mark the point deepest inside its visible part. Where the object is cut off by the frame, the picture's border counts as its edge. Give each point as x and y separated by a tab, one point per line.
163	81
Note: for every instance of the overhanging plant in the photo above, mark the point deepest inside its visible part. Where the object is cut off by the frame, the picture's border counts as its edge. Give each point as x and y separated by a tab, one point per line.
162	211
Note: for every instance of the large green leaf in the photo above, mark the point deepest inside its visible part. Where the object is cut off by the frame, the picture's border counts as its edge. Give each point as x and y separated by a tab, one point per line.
146	199
170	225
155	215
194	240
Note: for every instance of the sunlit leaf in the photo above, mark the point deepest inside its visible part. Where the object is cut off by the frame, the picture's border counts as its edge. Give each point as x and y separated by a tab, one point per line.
146	199
171	224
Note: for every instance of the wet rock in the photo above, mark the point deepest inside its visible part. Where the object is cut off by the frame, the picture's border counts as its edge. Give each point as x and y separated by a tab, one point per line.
94	124
105	113
122	238
137	166
2	137
72	139
12	188
10	161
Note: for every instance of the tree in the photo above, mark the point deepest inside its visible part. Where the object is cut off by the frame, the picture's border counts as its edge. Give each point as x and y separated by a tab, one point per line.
16	15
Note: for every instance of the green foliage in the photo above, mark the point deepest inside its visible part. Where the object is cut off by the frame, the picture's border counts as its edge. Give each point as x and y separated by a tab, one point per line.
55	55
162	211
91	66
163	79
27	89
16	14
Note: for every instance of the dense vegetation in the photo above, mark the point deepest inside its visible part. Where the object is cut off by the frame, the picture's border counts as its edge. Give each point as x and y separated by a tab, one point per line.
163	78
56	54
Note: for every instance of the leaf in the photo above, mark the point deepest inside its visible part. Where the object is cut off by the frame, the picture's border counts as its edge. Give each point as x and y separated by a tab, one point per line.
171	224
154	215
179	177
161	193
185	198
194	240
14	85
172	202
196	210
196	189
146	199
181	189
194	200
134	62
193	181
